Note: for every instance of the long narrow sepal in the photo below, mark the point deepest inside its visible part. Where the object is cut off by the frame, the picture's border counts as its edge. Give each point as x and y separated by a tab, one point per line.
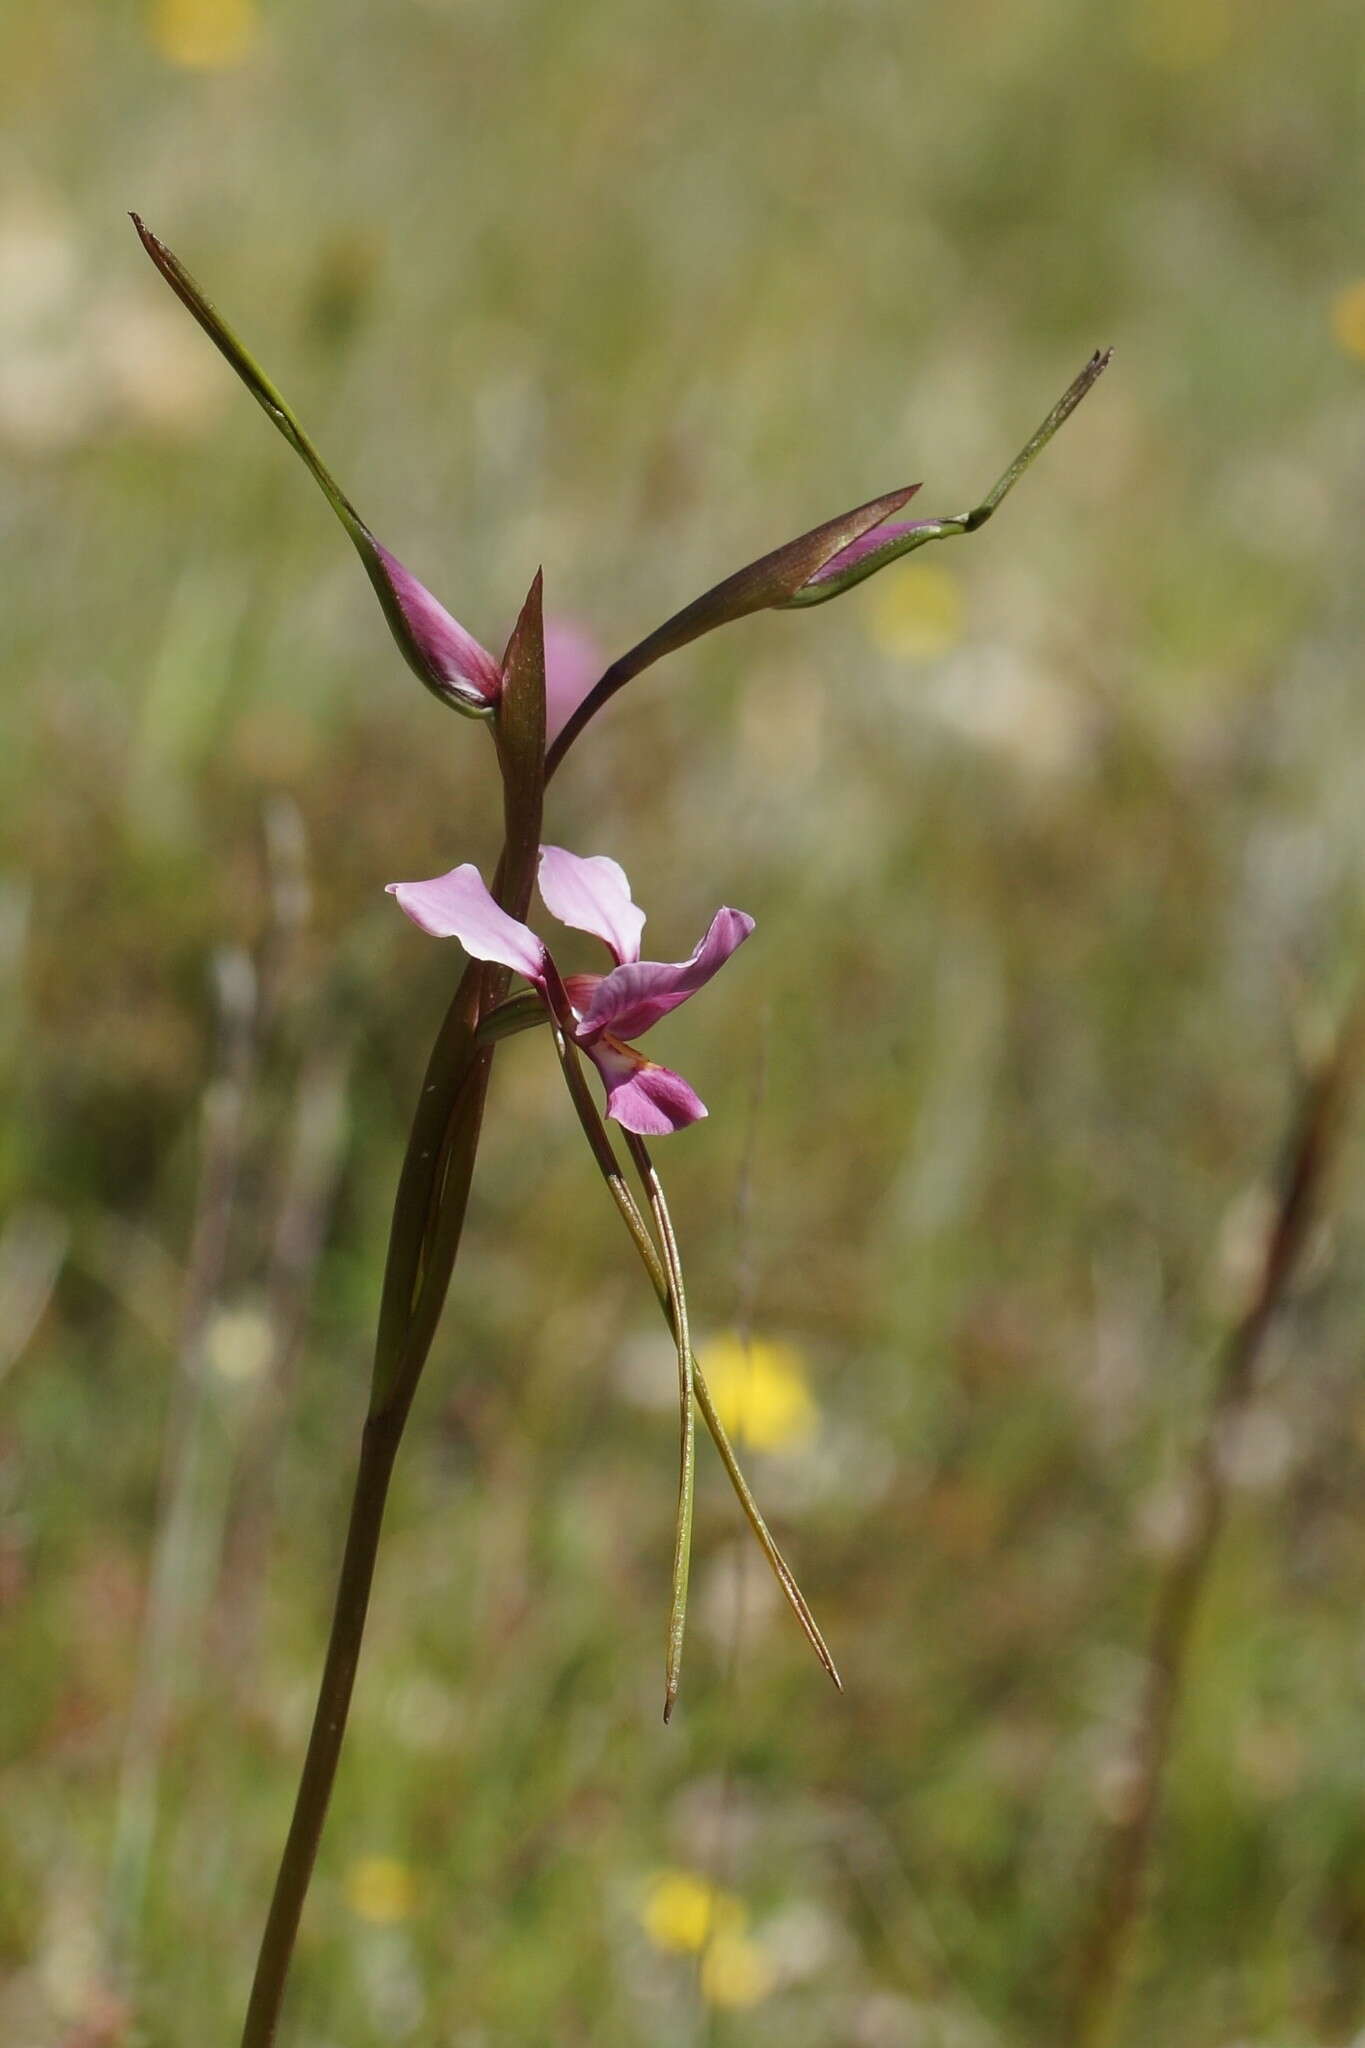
596	1133
438	650
687	1435
781	1570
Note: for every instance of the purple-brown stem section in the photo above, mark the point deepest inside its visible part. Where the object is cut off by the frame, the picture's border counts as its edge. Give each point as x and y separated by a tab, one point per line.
429	1212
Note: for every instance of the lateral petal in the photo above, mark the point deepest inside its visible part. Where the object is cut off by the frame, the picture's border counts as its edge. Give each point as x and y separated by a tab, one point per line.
458	906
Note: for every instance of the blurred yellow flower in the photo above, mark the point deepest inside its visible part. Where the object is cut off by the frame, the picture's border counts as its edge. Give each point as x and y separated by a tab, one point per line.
1348	319
762	1392
203	35
381	1890
736	1972
916	612
683	1911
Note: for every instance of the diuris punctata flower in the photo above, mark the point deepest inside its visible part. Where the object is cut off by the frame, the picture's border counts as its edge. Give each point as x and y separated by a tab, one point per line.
601	1012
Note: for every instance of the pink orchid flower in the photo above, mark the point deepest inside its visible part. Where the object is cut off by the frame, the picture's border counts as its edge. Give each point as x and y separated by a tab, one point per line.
601	1012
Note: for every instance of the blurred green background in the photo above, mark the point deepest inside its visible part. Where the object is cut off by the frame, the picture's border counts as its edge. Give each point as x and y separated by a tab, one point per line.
1055	839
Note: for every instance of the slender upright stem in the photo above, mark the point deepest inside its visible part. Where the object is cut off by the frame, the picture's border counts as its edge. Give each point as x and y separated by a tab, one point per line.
428	1220
1116	1898
379	1447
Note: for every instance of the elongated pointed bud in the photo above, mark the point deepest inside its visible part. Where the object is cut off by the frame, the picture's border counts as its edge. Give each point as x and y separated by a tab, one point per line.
435	646
438	650
763	585
821	564
861	559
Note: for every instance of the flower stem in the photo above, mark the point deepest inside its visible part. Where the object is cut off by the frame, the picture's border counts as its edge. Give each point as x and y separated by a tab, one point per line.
379	1447
398	1370
433	1193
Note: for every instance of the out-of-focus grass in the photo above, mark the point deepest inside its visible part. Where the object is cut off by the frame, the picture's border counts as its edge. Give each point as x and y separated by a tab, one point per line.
1054	839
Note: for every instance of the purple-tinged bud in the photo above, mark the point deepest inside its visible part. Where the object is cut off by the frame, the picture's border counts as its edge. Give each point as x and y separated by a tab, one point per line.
774	580
862	558
435	646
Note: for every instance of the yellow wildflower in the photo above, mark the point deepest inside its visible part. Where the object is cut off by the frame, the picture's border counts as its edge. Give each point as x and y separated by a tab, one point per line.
1348	319
916	613
203	35
381	1890
761	1391
682	1911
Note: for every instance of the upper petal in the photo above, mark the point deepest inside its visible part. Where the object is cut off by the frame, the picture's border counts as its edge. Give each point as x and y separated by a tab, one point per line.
447	658
458	906
592	895
631	998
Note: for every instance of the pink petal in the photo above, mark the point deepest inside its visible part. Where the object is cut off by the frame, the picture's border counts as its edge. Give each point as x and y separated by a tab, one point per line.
573	662
458	906
592	895
445	656
650	1100
630	999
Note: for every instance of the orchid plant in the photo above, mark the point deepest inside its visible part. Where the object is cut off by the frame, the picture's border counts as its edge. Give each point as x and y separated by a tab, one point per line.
536	701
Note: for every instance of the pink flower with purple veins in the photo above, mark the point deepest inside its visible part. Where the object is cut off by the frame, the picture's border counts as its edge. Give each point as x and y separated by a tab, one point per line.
602	1013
